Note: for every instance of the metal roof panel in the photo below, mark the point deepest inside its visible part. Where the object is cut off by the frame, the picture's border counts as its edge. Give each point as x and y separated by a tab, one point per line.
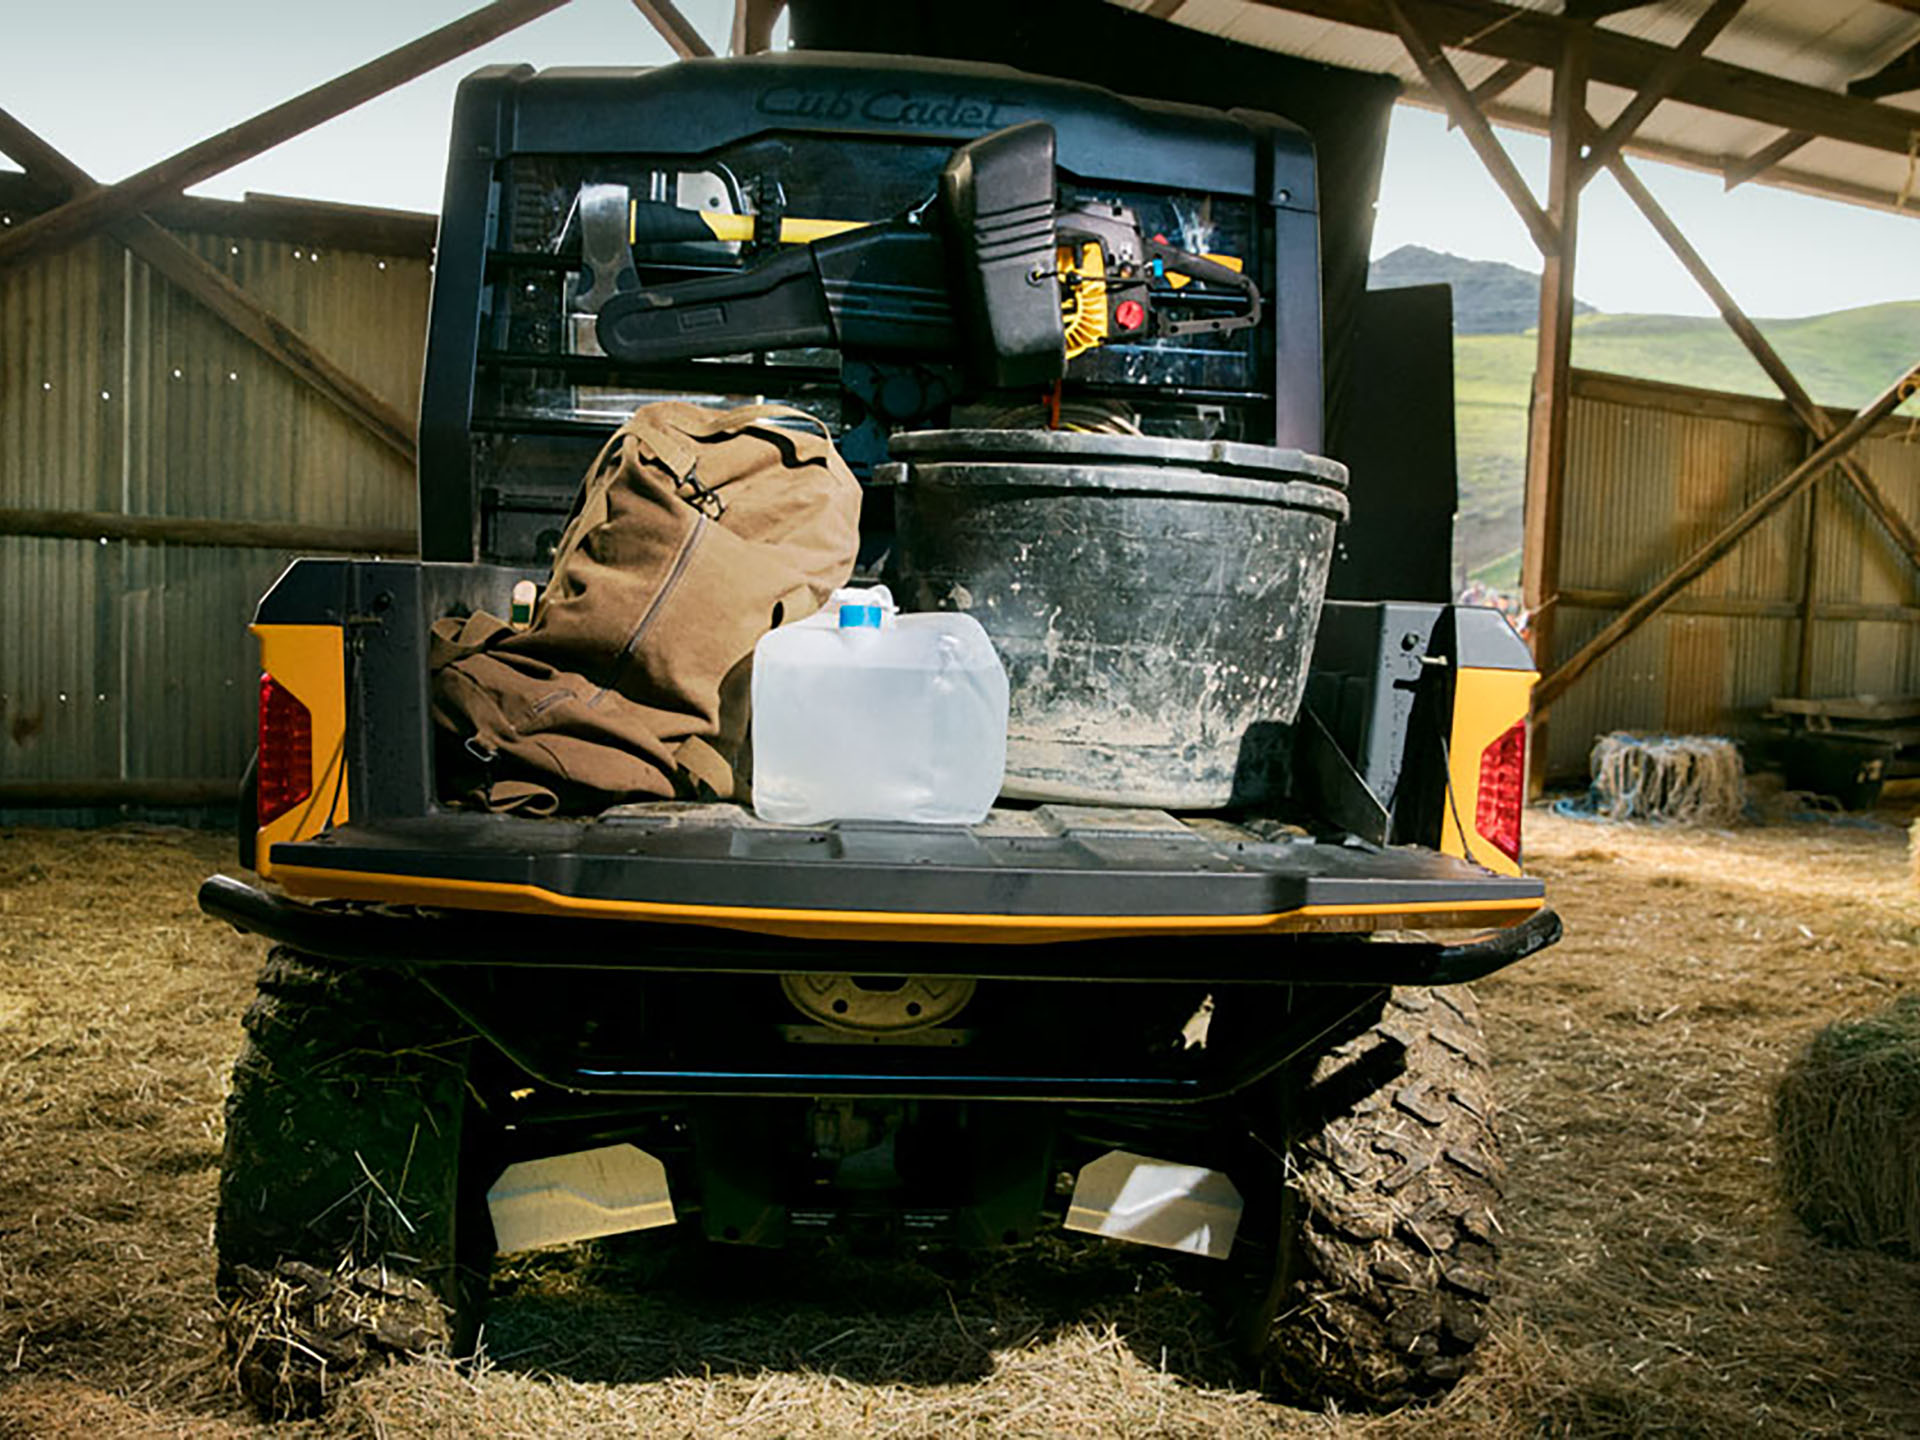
1820	43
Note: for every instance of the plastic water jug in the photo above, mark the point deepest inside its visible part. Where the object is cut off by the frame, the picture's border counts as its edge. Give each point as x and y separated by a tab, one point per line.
861	713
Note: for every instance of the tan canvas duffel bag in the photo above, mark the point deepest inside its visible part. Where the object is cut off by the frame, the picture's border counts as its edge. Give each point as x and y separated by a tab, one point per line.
695	532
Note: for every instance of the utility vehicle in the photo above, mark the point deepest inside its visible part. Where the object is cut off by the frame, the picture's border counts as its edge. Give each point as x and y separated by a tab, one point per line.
1222	1028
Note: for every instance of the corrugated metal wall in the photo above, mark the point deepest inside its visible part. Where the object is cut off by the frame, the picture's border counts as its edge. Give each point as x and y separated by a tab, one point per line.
118	394
1652	472
131	661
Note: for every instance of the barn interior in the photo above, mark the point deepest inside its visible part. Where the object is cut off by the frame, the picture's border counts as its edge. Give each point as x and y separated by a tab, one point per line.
195	392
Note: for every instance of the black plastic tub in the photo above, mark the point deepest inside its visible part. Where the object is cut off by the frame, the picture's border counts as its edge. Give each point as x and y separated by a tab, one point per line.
1154	600
1850	768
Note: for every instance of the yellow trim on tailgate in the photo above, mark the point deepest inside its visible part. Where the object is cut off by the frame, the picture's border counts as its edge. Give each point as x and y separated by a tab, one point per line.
316	883
1486	704
309	663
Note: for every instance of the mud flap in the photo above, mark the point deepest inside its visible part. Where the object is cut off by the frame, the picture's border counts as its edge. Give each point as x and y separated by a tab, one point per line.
1156	1202
578	1196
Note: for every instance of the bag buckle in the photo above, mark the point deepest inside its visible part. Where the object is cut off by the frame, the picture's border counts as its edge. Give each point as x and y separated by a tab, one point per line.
701	498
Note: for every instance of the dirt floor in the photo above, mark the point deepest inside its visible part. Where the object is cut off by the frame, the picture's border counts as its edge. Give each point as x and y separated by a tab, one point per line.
1654	1285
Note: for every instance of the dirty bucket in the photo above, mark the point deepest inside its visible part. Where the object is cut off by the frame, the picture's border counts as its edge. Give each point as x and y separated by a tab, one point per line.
1154	600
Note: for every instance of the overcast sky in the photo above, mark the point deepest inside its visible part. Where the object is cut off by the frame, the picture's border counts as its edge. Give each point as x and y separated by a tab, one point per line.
118	84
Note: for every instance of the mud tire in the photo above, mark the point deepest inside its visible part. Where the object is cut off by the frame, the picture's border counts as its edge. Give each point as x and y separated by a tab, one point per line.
1388	1247
344	1234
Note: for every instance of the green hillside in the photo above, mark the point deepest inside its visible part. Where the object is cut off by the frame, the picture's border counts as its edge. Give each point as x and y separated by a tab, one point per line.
1489	296
1845	359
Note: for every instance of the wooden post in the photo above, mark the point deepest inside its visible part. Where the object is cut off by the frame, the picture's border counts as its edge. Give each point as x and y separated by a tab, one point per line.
87	213
1552	370
1809	587
753	25
1656	599
187	272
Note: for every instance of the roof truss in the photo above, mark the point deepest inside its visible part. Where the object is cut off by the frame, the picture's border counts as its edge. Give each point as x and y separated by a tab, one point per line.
1502	32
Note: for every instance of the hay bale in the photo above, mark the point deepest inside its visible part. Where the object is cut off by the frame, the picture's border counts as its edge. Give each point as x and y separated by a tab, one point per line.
1686	779
1847	1123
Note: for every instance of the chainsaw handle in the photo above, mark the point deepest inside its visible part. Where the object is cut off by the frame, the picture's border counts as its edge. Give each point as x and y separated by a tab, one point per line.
1176	261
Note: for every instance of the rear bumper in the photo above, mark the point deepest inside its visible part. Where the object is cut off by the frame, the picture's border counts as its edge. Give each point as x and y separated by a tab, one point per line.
1058	874
465	937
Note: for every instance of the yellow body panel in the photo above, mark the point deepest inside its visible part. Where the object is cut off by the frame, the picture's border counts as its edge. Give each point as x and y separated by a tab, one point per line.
796	231
309	662
318	883
1486	704
1232	262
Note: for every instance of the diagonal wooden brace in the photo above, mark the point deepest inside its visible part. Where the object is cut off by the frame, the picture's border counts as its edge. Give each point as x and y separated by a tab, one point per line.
1802	404
1553	685
675	29
1739	169
187	272
1660	84
1467	114
101	206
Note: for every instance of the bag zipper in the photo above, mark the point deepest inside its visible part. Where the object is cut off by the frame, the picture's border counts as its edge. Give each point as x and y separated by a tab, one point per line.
667	587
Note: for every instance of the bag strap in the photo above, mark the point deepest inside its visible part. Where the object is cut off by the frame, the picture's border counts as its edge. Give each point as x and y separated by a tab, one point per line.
705	768
519	797
669	427
752	414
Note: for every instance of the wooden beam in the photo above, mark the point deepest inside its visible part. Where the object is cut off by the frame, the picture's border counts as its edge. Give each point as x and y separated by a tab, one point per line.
45	166
1446	81
227	534
675	29
1898	76
1809	414
1662	592
279	341
1553	363
1747	607
187	272
90	212
1501	81
391	234
1489	27
1165	9
1600	9
1659	84
1696	266
74	794
1752	167
1805	182
1496	85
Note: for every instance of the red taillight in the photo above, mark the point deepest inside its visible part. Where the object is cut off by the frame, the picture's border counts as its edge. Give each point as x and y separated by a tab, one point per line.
1503	791
286	750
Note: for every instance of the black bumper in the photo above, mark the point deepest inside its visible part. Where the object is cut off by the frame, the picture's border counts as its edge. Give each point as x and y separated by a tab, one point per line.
385	936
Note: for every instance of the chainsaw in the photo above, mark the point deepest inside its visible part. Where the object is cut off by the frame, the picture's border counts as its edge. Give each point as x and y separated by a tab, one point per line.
990	270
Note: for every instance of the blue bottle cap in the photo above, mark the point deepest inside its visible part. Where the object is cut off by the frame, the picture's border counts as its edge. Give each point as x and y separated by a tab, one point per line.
860	617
